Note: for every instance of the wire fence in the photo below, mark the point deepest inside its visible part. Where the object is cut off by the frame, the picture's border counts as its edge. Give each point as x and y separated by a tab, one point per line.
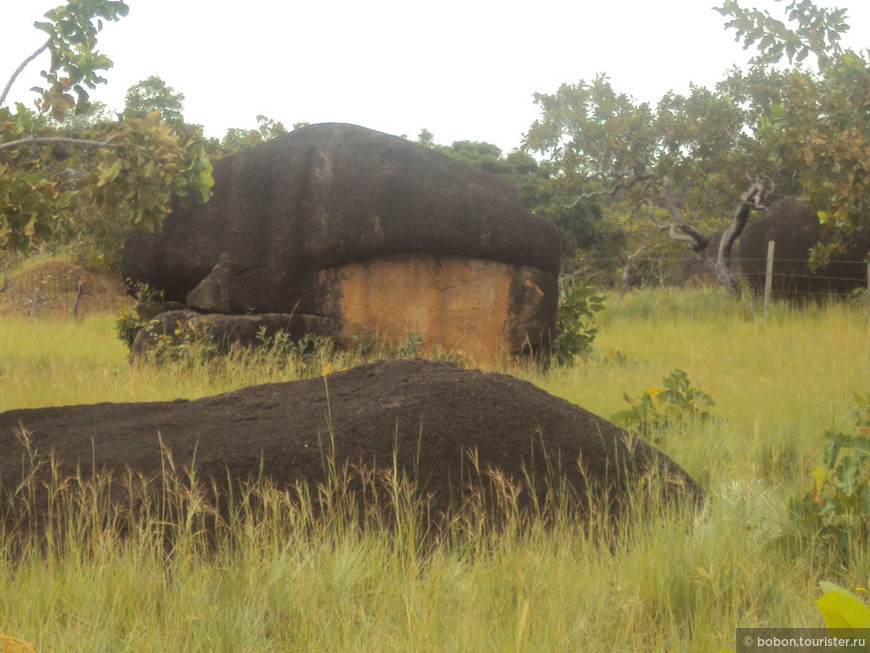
791	276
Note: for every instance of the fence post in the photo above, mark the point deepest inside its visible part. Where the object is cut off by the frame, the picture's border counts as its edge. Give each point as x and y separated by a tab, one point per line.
34	306
868	288
768	277
75	308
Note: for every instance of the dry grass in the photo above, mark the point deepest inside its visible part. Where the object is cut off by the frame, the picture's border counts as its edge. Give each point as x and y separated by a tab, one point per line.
279	579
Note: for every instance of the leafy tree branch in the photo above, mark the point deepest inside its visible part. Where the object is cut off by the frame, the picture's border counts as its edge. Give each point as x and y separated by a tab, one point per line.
137	166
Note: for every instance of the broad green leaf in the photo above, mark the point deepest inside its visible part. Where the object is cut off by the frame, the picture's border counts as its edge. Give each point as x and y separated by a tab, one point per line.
841	609
847	473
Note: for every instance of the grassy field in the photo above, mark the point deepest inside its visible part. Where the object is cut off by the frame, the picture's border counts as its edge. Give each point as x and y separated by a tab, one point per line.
280	580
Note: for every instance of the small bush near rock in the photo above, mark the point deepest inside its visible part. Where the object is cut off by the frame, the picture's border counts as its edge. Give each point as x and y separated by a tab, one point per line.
575	320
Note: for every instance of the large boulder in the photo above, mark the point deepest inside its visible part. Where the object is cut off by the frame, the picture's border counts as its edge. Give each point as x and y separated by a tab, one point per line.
367	229
448	429
796	229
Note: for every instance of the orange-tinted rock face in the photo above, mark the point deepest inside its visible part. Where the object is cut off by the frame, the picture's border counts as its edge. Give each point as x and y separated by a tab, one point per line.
462	305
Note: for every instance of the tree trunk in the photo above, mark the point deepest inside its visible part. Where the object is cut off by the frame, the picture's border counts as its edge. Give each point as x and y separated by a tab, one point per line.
750	199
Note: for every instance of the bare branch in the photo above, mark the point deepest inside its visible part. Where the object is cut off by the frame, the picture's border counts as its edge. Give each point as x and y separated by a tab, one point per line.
20	68
78	142
621	184
640	250
696	240
62	140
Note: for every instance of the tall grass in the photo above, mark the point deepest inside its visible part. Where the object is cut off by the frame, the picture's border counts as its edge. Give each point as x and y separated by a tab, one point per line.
269	572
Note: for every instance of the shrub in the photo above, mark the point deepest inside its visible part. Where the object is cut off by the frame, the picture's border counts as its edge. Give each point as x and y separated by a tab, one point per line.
127	325
127	322
656	410
837	507
575	320
190	342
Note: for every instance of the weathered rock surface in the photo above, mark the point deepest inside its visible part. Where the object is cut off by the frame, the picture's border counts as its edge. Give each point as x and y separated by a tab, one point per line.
796	229
306	222
435	417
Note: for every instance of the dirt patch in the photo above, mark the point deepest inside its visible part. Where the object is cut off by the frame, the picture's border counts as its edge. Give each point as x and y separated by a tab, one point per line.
446	427
57	285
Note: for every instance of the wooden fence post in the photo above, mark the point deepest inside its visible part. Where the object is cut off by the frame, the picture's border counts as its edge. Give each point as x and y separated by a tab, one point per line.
768	278
868	288
75	308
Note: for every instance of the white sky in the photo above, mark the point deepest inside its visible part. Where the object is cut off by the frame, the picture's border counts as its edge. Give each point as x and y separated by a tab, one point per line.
464	69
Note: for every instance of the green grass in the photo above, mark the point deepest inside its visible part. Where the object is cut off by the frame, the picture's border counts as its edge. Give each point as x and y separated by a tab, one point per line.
275	578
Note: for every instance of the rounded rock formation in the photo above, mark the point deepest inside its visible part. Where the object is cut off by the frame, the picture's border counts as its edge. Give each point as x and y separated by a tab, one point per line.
796	230
367	229
449	430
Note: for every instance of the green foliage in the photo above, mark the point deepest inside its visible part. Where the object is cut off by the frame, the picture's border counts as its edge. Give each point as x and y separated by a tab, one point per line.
95	238
843	611
837	508
575	320
815	30
648	170
127	322
819	127
152	95
655	411
75	63
51	174
30	201
127	325
822	132
237	140
144	292
691	155
426	139
305	351
190	342
161	162
679	155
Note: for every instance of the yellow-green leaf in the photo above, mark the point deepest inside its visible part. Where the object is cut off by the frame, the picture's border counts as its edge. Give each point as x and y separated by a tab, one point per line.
842	609
110	173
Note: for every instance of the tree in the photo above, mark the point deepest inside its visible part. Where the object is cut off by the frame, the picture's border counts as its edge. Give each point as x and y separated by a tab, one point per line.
821	125
426	139
237	139
139	163
151	95
715	153
609	148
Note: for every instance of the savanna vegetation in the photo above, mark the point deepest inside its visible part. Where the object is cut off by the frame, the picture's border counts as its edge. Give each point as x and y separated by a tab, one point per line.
770	416
761	397
632	185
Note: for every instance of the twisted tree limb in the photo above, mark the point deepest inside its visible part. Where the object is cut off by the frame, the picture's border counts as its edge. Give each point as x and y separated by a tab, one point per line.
752	199
621	184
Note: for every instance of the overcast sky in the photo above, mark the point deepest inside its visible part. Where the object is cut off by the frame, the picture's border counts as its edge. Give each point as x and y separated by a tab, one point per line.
464	69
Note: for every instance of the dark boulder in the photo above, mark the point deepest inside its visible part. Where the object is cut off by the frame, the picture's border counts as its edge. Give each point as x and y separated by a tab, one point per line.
795	229
291	217
446	428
